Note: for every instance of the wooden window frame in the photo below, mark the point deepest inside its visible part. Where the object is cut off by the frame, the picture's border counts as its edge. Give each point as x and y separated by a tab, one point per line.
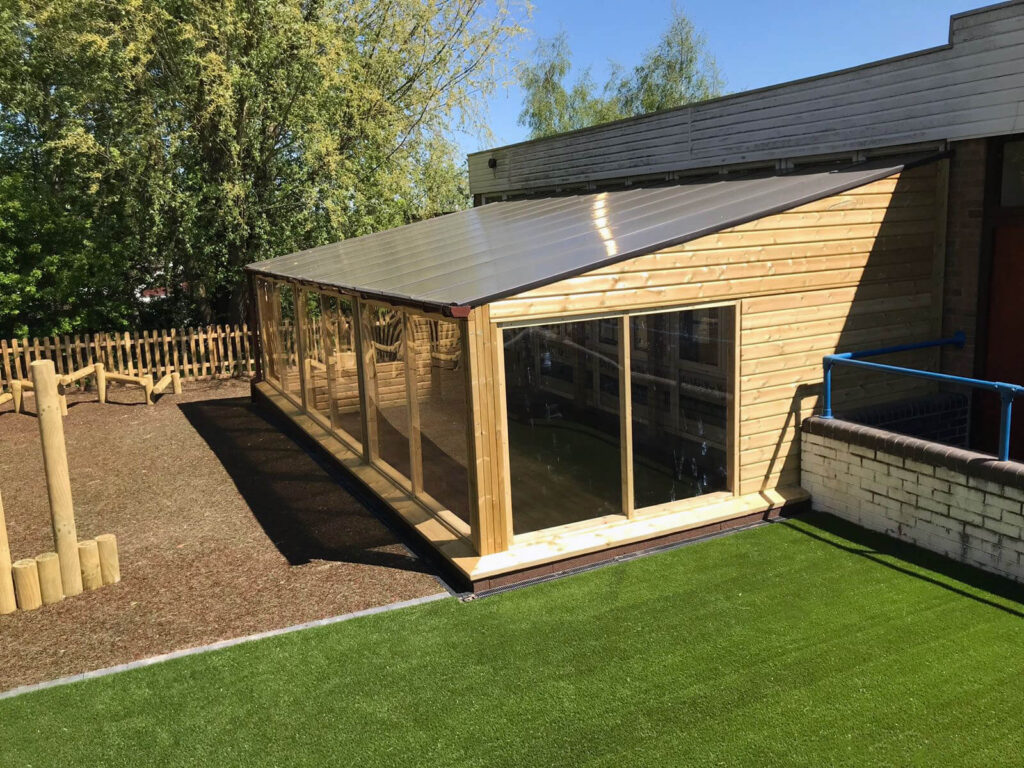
410	485
729	365
367	448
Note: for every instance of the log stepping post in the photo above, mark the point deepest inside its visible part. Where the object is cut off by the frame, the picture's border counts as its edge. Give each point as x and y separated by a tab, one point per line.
58	481
110	565
50	587
8	603
26	585
89	558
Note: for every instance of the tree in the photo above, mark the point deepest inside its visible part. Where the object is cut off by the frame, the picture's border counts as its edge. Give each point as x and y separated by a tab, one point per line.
677	70
167	143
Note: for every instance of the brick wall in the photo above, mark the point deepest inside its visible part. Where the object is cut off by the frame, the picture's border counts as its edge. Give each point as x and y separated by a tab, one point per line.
964	505
964	231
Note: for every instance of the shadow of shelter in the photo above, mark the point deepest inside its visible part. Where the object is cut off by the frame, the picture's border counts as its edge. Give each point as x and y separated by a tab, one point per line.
306	511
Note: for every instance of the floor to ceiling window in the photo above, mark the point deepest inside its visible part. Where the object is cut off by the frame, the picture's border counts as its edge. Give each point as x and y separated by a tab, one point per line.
680	376
563	424
565	400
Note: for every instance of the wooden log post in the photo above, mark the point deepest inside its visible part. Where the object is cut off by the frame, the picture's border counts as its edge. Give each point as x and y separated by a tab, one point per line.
58	481
110	564
176	382
26	585
7	600
50	588
147	386
89	557
101	382
17	393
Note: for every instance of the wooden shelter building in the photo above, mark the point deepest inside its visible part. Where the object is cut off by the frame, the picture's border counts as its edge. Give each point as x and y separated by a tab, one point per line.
613	349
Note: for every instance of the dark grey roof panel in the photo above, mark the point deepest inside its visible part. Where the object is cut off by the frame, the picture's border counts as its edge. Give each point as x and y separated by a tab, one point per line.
479	255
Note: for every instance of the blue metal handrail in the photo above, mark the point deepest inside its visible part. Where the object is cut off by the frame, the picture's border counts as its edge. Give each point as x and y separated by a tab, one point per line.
1007	392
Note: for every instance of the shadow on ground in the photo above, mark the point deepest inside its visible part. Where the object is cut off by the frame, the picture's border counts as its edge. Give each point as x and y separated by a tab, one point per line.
910	560
307	512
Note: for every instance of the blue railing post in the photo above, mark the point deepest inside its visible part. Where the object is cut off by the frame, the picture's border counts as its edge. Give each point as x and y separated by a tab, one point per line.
1007	392
826	411
1006	399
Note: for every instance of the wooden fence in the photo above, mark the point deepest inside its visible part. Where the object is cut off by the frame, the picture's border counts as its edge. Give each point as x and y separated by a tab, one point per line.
216	351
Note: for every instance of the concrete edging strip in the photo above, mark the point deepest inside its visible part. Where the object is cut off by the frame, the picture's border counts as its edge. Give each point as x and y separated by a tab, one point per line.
219	645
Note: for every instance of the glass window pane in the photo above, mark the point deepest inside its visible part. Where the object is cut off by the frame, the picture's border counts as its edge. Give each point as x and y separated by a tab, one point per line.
563	424
289	353
315	372
383	330
681	380
443	414
270	330
341	366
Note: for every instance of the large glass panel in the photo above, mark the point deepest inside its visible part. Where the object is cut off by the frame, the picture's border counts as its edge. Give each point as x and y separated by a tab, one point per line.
288	358
314	354
383	330
443	413
342	370
269	309
563	424
681	380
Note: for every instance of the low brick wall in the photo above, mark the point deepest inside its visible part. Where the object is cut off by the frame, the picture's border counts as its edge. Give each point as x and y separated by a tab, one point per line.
961	504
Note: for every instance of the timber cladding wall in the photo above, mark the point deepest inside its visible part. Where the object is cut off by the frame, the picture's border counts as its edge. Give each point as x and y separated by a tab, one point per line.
856	270
963	505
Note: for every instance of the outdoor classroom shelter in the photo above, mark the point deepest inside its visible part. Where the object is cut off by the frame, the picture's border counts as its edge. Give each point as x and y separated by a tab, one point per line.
615	347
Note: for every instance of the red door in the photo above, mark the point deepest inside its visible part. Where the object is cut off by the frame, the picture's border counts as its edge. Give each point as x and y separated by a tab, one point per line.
1004	357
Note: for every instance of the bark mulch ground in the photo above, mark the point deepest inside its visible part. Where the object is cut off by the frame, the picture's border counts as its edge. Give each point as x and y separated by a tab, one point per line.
226	527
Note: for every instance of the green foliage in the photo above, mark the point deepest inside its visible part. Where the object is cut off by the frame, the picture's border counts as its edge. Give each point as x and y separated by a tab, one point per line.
677	70
167	143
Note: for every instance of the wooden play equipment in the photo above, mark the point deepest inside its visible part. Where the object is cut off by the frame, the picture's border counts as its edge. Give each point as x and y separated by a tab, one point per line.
99	372
52	576
58	481
110	565
26	584
7	600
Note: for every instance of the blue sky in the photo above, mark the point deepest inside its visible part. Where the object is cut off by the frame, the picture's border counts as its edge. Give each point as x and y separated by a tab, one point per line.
756	42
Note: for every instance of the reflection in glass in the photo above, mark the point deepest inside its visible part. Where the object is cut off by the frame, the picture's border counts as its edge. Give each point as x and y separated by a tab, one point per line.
443	413
288	357
383	331
681	380
563	424
270	330
342	372
314	371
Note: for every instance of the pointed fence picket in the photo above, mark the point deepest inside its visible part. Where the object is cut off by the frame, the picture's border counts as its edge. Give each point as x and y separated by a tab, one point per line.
213	351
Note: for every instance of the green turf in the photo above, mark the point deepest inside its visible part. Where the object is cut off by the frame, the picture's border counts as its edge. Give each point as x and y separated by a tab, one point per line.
799	643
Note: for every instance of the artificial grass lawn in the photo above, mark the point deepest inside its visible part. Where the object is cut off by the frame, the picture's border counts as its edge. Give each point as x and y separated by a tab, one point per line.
806	642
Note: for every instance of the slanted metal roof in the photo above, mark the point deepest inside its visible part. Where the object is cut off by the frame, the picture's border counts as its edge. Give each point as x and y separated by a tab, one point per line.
500	249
